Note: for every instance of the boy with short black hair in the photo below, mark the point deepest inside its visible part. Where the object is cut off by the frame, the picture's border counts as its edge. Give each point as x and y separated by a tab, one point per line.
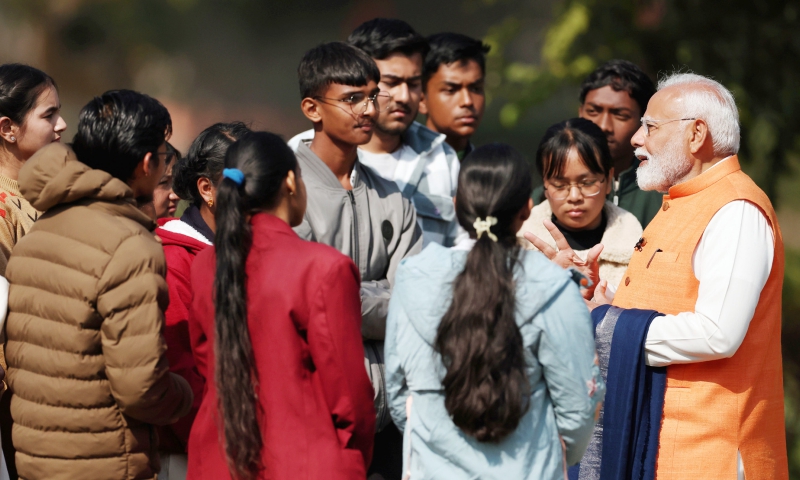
382	37
417	159
87	288
615	97
453	88
350	207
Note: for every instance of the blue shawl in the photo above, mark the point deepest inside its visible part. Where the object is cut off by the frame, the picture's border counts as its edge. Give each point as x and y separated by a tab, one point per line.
634	400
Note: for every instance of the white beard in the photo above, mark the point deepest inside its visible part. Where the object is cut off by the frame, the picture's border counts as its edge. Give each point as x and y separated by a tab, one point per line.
665	169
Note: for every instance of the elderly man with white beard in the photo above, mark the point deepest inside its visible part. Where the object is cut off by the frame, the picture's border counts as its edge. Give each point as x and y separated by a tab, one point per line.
710	267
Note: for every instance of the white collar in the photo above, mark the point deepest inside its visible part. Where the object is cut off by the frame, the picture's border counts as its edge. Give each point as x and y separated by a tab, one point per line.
720	162
182	228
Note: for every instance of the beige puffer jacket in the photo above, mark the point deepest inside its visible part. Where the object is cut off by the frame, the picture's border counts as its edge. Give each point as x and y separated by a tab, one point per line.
622	232
84	333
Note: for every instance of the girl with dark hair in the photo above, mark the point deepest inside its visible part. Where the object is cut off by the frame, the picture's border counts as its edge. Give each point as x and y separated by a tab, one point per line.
287	394
30	118
165	201
574	161
489	350
194	178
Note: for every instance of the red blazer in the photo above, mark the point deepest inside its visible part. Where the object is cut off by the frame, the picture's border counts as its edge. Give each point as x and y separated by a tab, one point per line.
181	245
304	315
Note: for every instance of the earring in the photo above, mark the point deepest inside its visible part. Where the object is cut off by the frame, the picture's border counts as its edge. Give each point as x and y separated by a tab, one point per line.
210	203
291	193
13	138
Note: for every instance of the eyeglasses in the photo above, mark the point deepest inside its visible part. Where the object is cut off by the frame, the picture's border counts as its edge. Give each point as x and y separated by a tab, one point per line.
358	103
649	124
169	156
560	191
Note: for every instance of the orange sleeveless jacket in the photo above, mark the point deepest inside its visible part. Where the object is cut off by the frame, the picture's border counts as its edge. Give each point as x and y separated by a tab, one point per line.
712	409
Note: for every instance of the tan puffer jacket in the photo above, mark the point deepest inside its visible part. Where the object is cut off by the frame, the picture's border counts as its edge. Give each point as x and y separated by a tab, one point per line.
84	333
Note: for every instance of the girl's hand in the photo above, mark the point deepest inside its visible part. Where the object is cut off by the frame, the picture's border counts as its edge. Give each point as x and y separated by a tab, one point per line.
566	257
600	293
600	297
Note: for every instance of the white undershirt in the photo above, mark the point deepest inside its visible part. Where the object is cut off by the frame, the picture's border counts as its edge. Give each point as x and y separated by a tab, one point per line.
732	262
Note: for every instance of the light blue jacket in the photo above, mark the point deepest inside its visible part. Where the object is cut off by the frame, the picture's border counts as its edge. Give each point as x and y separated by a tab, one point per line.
566	386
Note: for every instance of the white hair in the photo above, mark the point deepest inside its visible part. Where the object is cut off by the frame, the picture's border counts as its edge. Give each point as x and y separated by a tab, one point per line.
708	100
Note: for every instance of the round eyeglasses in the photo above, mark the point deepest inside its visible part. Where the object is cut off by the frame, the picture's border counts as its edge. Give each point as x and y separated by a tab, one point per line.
359	102
560	191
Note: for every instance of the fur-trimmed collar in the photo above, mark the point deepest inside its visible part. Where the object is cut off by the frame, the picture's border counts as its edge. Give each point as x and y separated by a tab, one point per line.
622	231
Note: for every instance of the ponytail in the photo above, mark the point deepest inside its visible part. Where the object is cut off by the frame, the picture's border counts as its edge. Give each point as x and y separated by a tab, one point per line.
259	163
236	375
486	386
205	159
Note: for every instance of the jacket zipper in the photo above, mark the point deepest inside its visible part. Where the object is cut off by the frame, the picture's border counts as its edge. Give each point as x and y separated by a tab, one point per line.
355	230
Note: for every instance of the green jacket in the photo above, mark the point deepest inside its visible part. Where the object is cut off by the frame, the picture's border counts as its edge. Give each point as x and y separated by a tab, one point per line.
642	204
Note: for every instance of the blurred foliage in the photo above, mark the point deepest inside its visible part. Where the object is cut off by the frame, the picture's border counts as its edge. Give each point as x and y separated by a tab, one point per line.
751	47
791	358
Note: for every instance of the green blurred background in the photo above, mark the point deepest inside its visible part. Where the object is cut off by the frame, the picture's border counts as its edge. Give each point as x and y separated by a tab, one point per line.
215	60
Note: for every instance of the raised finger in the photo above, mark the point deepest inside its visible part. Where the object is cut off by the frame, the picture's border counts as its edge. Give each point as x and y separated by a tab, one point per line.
561	241
594	253
540	244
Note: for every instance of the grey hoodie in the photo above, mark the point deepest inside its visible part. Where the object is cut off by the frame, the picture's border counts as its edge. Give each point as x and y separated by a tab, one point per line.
375	226
436	214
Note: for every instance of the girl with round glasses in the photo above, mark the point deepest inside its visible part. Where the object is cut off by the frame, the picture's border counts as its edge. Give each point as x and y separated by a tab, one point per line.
576	166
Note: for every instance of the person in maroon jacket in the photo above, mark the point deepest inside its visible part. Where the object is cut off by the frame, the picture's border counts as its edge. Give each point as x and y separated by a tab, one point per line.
276	331
194	178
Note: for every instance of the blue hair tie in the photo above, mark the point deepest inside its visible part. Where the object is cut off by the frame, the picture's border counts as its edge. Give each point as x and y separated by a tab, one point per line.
234	174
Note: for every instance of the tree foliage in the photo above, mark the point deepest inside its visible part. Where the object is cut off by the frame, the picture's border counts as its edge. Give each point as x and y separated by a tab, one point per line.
751	47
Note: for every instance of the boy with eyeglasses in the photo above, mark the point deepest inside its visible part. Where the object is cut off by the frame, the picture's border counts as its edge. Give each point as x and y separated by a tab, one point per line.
416	158
87	361
614	97
350	207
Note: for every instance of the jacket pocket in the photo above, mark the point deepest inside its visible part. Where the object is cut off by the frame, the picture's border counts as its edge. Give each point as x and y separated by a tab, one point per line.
665	257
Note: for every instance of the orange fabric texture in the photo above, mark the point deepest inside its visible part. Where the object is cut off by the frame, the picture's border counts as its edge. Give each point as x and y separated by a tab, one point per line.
712	409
